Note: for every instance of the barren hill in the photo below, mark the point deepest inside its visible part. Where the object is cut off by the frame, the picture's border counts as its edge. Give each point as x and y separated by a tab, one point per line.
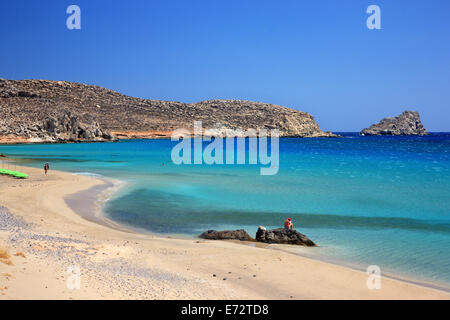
25	102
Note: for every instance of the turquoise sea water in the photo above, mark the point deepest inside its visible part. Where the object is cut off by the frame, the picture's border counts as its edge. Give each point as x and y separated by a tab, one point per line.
365	200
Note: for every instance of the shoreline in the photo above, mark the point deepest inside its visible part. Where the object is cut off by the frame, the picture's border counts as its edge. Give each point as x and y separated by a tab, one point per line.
166	135
89	204
114	185
110	187
178	256
359	268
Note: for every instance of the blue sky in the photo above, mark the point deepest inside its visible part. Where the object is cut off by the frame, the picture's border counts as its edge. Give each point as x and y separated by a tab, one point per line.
315	56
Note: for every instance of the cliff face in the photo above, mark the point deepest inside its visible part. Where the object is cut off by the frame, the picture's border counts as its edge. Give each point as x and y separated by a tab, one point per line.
24	102
65	128
408	123
71	128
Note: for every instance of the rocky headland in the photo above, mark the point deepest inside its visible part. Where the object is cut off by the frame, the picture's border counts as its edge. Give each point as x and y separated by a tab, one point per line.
408	123
26	104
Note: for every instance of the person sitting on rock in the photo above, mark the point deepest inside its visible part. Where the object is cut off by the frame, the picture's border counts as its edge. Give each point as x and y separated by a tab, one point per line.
288	225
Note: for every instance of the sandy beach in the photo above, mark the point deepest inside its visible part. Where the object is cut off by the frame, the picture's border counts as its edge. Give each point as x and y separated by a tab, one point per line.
41	237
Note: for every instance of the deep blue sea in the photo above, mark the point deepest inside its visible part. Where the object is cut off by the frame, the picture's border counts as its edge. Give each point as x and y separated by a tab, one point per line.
364	200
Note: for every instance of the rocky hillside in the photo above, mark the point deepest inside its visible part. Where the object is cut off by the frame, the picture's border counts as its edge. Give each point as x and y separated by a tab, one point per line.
24	102
65	128
408	123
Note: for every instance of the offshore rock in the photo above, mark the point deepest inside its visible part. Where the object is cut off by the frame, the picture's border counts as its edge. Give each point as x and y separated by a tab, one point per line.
408	123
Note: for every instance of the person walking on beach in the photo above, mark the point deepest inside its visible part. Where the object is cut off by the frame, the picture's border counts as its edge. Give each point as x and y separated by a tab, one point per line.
288	225
46	167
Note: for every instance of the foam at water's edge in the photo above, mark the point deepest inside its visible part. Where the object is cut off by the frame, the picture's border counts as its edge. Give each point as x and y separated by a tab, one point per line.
88	174
89	204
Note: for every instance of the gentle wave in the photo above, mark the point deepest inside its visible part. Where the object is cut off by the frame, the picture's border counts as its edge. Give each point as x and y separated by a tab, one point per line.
88	174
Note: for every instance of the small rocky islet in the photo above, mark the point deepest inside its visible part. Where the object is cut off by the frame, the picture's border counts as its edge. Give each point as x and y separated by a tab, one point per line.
406	124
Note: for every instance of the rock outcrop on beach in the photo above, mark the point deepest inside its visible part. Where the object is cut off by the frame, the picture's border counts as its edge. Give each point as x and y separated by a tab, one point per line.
23	103
283	236
408	123
241	235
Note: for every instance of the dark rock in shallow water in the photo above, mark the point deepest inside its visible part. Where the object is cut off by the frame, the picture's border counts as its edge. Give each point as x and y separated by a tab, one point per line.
241	235
408	123
283	236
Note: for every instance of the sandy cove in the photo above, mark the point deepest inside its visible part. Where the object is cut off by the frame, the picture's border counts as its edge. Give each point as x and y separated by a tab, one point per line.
43	237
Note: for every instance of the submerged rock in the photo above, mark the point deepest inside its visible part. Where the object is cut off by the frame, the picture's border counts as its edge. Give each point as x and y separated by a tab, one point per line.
283	236
241	235
408	123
